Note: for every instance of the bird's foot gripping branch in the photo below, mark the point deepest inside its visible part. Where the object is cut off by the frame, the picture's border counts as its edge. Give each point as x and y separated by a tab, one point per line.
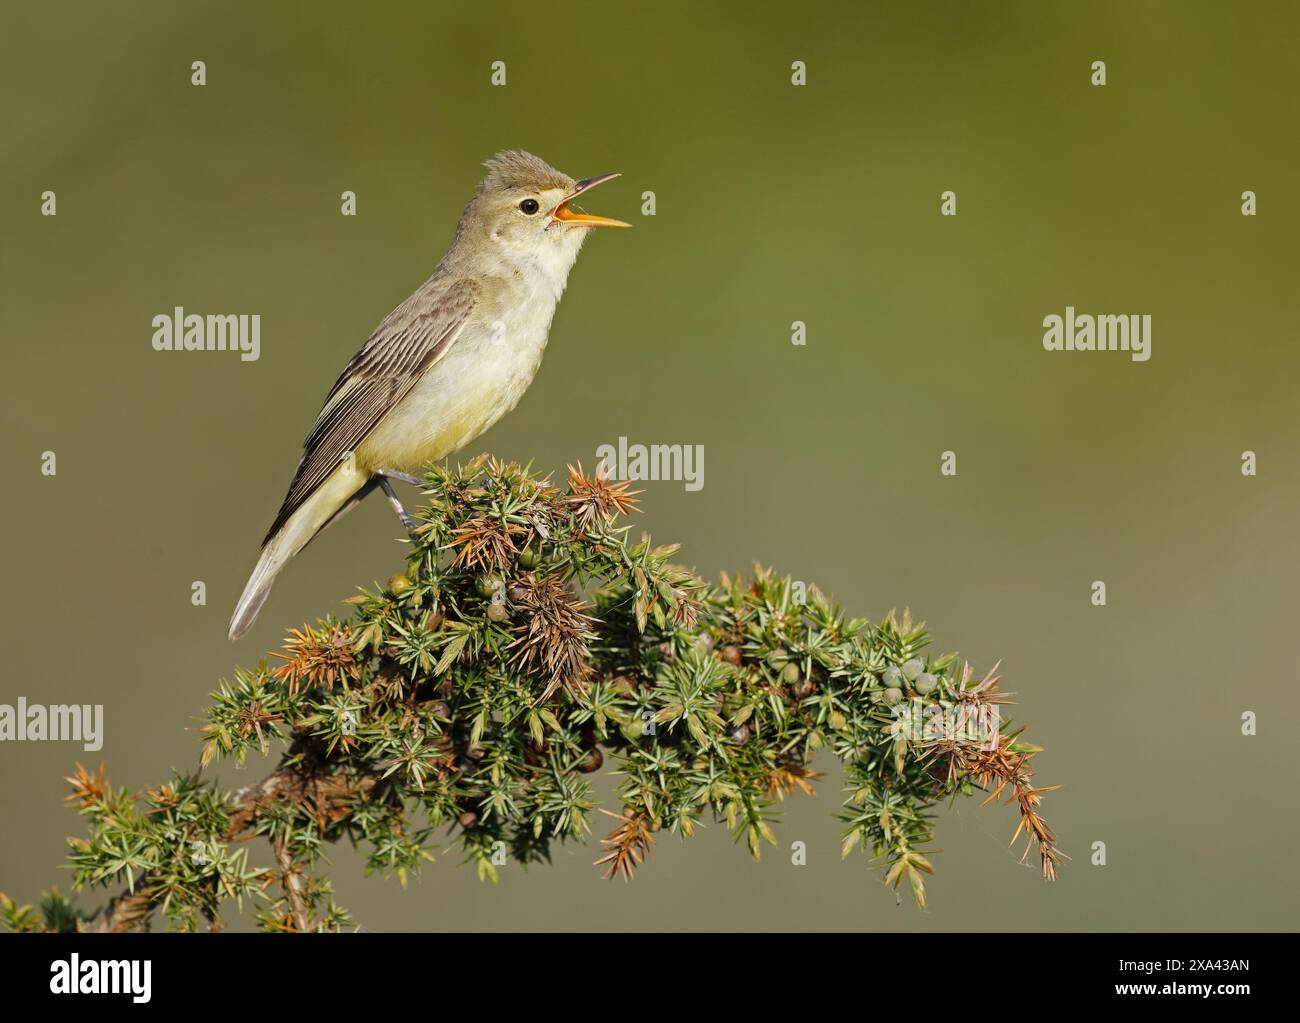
528	643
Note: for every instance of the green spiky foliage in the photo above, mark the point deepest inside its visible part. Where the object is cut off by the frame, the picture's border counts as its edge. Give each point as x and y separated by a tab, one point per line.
529	642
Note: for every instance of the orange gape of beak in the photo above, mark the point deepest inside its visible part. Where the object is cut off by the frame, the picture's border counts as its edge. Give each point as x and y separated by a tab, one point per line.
565	215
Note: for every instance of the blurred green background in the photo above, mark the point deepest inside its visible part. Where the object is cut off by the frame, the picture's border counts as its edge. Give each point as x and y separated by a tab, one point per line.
775	204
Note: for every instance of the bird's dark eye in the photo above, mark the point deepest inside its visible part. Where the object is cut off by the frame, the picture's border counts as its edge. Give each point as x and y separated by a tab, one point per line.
529	206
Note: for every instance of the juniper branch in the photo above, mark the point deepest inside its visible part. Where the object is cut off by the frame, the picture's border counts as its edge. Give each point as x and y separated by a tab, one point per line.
528	641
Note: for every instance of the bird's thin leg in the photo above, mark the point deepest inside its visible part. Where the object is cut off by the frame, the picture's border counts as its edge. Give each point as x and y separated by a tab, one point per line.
405	477
393	500
382	477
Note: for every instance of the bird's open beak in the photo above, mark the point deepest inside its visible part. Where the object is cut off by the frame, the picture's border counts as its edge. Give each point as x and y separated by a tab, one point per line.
567	216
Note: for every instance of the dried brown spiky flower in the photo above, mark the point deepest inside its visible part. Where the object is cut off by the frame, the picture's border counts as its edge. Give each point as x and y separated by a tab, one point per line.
782	780
627	845
597	498
1005	767
488	541
553	640
686	608
163	797
996	766
318	657
87	788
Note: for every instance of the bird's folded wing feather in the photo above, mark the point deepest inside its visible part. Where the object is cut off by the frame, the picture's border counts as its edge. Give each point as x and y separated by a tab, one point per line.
404	347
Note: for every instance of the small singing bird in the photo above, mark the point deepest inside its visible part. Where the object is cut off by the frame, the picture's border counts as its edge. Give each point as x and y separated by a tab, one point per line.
445	364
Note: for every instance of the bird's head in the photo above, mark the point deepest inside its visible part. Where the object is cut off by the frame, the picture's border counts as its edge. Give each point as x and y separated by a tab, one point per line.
523	213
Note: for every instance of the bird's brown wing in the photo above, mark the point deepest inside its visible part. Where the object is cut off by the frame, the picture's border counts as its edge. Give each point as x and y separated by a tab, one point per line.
411	339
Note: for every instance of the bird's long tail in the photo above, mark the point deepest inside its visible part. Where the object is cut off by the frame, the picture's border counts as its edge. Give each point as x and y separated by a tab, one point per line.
329	500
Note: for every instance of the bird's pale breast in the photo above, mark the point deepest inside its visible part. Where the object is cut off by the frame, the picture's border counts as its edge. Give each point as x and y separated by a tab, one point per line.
482	377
